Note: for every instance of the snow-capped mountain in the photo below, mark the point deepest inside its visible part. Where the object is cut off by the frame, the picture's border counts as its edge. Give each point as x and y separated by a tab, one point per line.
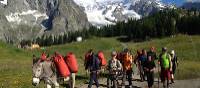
29	19
103	12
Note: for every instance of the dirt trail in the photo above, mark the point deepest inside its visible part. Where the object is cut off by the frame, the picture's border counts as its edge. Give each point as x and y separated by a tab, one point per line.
192	83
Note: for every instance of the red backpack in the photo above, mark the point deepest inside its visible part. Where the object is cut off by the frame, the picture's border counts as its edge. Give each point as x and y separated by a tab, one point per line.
71	61
61	66
102	58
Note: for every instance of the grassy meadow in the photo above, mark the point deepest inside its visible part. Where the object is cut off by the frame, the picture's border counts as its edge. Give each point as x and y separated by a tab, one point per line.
15	64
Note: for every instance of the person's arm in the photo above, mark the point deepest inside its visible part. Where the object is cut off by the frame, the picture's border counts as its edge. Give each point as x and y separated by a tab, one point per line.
120	65
156	58
154	66
146	69
170	62
176	60
109	65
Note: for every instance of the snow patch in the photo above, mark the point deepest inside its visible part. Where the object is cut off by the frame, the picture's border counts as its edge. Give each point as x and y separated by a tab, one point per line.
5	2
17	16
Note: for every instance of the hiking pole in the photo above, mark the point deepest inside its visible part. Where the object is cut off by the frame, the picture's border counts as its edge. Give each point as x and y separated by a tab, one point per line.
158	76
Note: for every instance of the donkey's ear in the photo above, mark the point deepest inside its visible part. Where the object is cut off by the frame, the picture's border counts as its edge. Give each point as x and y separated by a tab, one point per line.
35	60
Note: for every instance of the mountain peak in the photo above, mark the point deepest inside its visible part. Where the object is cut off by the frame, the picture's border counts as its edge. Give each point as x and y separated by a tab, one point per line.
103	12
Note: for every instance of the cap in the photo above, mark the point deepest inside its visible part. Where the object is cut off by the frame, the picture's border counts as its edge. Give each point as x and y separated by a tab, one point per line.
164	49
172	52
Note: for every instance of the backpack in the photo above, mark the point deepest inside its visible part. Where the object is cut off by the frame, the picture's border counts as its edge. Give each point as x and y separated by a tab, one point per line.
117	64
94	63
127	62
102	58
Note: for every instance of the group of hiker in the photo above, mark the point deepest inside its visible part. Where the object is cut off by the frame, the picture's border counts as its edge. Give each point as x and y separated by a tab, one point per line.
119	64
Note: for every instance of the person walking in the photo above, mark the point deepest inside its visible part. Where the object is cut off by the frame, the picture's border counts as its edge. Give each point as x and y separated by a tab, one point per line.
166	66
94	67
142	61
149	67
114	67
174	64
127	67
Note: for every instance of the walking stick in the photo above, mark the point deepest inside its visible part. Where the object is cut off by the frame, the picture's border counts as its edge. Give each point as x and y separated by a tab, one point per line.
158	76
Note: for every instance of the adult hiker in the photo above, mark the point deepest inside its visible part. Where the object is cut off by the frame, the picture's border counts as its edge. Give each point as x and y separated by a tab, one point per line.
127	67
174	64
94	67
87	60
71	61
142	60
166	66
137	62
152	53
114	67
149	67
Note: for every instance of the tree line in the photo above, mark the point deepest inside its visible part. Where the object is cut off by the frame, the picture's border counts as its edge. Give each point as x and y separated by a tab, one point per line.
161	24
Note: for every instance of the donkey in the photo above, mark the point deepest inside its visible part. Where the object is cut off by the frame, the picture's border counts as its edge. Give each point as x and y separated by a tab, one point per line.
44	71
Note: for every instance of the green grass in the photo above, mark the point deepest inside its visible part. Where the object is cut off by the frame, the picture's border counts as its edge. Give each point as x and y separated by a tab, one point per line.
15	64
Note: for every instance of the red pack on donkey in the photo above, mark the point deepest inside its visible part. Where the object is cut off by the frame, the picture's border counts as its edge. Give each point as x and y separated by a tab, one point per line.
54	69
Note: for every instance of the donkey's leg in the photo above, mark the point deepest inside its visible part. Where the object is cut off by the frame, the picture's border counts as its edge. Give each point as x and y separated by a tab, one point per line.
56	84
48	85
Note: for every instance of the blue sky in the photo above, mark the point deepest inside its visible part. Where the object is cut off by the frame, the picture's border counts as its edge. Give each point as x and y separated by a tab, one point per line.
177	2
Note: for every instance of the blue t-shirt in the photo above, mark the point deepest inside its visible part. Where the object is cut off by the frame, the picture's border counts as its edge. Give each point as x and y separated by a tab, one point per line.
143	58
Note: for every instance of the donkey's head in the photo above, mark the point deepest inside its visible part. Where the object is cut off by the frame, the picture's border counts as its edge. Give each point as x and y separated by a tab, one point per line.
37	70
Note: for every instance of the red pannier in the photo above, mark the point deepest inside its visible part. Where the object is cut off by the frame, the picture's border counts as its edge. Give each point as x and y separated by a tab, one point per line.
71	61
61	66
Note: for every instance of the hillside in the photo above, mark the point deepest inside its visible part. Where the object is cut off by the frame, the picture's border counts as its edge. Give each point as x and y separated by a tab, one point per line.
15	64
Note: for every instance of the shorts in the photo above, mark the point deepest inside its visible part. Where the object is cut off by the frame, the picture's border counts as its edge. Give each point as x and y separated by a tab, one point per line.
165	74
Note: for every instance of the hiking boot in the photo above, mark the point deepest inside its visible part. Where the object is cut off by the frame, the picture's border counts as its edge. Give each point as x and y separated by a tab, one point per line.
130	86
172	81
164	86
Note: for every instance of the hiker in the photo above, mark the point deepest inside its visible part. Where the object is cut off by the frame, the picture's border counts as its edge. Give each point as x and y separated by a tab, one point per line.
88	56
174	64
94	67
137	62
127	61
152	53
114	67
149	68
71	61
166	66
142	60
